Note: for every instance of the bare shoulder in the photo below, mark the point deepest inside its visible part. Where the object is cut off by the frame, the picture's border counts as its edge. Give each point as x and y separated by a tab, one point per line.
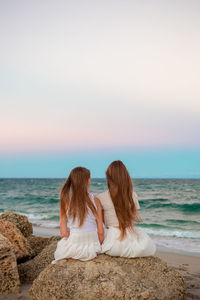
102	195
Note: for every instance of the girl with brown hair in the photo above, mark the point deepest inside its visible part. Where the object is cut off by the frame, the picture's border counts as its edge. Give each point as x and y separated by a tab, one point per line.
81	219
120	206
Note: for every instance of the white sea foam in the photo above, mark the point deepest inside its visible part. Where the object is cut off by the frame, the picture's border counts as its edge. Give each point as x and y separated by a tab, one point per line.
46	224
173	233
32	217
185	245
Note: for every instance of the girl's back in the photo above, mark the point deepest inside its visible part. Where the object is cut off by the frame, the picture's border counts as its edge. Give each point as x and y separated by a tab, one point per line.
89	222
110	217
120	207
81	223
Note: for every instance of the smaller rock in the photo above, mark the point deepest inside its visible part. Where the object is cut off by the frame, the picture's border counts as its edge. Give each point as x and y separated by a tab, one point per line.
29	270
20	221
19	243
38	243
9	277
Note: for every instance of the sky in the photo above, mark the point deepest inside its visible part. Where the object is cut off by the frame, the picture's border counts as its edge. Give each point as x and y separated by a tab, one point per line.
87	82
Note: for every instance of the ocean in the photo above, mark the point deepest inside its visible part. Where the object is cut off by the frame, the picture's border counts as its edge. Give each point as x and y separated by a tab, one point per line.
170	208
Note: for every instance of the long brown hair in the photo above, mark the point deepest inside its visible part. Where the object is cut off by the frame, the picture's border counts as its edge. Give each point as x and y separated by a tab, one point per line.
77	184
121	191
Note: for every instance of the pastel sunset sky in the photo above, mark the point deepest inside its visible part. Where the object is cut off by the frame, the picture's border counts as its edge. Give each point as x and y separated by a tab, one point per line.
87	82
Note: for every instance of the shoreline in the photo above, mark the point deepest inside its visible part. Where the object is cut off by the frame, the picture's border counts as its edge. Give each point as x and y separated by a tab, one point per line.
175	258
49	231
178	252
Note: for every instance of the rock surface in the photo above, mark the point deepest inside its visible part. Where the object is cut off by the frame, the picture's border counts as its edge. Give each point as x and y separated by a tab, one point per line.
19	243
38	243
20	221
9	278
29	270
109	278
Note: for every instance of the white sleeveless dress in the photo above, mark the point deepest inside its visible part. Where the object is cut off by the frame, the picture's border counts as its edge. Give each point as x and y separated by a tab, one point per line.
82	243
133	245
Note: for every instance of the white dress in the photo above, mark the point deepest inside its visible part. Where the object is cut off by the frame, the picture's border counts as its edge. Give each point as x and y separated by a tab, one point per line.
137	244
82	243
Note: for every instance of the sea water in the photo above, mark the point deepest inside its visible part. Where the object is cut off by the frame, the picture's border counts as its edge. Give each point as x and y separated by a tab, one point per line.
169	208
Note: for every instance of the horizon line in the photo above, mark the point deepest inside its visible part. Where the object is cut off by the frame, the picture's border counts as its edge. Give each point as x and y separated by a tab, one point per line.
94	178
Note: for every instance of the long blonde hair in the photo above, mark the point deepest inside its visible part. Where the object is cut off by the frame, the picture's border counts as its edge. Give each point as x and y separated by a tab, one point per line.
121	191
78	205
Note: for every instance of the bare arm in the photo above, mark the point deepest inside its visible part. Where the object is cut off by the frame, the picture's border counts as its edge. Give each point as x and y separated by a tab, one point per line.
99	220
64	232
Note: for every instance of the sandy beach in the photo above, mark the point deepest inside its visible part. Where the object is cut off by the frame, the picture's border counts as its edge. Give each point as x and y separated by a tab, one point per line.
187	265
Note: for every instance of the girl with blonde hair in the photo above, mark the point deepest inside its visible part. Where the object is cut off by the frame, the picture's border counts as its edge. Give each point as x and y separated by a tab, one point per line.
120	206
81	219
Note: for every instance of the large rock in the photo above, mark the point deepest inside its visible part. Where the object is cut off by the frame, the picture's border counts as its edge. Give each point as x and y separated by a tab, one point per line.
20	221
9	278
29	270
38	243
19	243
109	278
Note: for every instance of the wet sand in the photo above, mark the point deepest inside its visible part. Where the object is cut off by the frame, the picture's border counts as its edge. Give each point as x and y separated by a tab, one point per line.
189	267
